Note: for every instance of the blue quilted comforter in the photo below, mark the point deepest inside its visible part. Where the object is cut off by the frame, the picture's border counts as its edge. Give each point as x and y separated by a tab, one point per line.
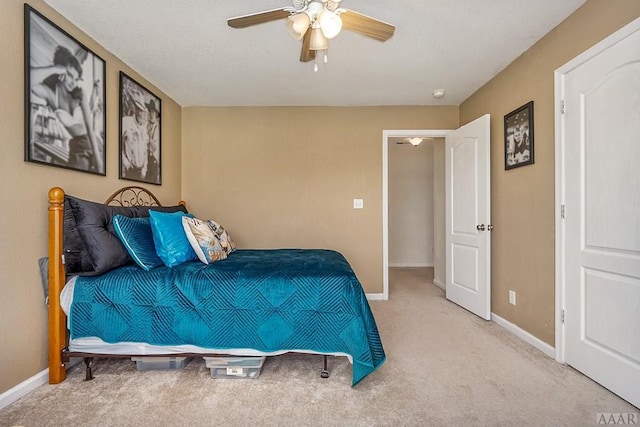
267	300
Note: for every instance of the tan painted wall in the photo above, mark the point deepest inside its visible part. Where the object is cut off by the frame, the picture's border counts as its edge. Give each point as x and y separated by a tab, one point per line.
524	199
287	177
24	187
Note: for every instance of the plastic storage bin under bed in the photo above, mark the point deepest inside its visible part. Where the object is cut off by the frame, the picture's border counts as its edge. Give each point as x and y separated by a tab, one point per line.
235	367
145	363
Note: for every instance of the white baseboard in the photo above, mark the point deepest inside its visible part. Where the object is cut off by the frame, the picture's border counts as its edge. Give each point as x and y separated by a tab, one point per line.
439	284
375	297
30	384
409	264
525	336
24	388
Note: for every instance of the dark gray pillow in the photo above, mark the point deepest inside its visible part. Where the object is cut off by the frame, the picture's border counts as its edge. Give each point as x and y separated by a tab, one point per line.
76	256
100	245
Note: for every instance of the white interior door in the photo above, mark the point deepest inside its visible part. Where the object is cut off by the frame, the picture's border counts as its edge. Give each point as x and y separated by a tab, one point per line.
468	217
600	173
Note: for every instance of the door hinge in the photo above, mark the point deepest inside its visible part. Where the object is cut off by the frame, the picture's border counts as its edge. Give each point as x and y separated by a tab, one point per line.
562	211
562	107
562	315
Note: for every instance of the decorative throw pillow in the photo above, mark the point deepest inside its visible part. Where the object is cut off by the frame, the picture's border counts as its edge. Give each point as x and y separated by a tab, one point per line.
225	239
93	222
91	245
137	237
204	240
171	243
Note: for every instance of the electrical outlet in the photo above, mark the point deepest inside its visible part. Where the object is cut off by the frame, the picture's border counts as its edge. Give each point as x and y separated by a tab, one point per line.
512	297
358	204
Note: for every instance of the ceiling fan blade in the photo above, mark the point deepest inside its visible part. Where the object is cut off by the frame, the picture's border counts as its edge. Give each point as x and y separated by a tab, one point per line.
307	54
258	18
367	26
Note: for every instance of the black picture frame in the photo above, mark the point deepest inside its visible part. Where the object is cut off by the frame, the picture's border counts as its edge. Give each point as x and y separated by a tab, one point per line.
140	133
518	137
65	114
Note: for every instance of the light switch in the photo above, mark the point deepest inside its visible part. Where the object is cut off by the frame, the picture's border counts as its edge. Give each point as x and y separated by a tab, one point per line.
358	204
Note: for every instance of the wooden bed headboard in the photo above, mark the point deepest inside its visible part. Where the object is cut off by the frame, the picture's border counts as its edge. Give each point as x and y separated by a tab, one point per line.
126	196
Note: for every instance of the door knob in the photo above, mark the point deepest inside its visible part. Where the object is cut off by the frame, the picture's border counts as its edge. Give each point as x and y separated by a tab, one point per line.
490	227
480	227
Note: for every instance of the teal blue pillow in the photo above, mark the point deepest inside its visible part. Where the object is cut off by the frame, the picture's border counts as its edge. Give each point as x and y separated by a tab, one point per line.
172	245
137	237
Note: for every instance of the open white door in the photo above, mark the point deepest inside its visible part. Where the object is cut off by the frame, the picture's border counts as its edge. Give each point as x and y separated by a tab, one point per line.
468	217
599	229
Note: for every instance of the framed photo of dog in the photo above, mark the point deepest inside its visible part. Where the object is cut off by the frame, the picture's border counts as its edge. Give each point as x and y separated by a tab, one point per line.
518	137
140	132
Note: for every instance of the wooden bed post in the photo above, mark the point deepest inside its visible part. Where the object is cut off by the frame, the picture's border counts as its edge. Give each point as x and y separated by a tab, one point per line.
57	318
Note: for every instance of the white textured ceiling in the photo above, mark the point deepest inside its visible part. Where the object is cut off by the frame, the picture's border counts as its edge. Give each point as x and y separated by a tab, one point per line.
186	49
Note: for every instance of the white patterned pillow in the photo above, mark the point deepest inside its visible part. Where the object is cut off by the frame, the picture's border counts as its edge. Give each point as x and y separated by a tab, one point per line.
208	239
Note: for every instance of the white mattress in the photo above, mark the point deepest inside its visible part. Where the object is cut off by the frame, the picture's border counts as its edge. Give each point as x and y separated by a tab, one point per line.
96	345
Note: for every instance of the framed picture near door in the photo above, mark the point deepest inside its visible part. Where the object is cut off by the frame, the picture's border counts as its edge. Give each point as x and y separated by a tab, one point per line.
64	98
140	137
518	137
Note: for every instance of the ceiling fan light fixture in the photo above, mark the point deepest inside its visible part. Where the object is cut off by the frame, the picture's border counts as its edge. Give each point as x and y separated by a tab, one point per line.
330	23
314	22
318	41
415	141
298	25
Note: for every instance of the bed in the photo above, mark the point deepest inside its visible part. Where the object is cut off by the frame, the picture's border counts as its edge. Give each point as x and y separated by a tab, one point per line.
106	299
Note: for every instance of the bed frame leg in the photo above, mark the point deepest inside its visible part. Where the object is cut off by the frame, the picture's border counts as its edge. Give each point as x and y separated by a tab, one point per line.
89	362
325	372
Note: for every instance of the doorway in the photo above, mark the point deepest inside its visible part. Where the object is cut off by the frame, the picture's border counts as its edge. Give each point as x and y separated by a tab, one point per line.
389	140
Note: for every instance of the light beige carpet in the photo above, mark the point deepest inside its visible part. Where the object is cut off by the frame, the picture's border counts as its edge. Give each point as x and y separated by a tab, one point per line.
444	366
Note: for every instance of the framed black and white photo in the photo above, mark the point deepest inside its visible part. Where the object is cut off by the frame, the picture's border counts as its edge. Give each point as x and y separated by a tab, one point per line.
140	136
64	98
518	137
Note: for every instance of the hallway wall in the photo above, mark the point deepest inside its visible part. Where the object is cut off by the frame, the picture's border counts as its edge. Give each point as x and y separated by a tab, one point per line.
411	219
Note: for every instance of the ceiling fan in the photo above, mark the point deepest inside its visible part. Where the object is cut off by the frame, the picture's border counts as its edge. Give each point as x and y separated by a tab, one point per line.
315	22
